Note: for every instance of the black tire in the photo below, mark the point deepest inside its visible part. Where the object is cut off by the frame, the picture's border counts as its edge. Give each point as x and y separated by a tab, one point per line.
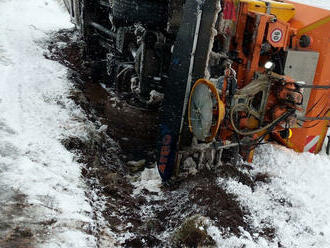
151	13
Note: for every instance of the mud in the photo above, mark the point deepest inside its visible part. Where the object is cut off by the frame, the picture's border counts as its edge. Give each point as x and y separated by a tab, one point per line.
15	231
14	234
151	218
134	128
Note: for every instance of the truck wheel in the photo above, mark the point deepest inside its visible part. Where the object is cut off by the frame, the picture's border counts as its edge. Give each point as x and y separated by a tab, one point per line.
152	13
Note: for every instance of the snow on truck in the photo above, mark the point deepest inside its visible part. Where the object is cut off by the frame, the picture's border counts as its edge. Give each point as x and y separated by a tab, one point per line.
230	74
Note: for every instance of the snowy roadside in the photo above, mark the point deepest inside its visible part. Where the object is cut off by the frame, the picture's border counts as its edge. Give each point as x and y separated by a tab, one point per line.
294	204
42	196
43	199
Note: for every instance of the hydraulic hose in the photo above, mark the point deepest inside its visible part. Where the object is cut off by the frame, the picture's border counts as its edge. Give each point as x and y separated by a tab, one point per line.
284	116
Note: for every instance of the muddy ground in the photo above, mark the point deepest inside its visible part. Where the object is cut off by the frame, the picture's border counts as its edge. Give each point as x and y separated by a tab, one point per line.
152	219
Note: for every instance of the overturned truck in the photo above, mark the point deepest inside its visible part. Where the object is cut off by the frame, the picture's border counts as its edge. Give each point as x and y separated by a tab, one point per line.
225	75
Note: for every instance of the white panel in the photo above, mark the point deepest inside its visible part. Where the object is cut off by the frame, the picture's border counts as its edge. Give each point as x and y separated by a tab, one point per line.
301	66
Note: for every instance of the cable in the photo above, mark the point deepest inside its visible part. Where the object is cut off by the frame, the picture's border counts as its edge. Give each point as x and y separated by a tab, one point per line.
311	109
318	122
284	116
326	111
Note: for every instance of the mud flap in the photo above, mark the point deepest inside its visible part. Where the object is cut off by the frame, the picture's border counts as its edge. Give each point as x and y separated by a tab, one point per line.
183	68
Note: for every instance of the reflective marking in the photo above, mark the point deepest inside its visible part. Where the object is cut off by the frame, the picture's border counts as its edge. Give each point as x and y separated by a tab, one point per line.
314	26
311	143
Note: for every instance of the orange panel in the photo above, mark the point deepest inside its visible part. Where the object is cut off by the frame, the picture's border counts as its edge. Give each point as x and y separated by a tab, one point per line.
311	137
306	15
278	34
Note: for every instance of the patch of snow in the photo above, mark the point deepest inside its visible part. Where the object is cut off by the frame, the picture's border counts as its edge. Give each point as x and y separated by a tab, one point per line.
36	171
155	97
125	236
296	202
149	180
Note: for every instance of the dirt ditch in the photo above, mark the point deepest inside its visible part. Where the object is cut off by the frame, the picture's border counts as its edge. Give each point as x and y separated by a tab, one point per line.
152	219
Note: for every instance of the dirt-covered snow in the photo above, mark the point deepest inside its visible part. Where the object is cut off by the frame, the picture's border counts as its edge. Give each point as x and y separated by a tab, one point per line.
46	199
295	202
42	196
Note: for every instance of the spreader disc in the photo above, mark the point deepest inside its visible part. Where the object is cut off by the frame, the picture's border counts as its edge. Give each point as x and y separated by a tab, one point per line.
205	110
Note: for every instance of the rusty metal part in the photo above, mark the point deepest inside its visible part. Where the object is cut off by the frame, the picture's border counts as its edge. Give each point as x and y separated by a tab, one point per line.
201	156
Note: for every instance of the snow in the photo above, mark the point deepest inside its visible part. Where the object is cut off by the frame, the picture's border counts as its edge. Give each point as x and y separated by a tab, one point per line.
40	183
35	114
316	3
148	180
296	202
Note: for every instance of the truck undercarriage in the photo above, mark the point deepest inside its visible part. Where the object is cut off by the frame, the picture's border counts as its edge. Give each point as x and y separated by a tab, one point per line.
224	75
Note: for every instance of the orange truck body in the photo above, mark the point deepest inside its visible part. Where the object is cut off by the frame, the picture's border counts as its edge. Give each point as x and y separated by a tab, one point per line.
315	23
294	20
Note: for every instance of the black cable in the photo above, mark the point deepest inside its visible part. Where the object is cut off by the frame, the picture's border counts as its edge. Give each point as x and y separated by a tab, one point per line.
318	122
311	109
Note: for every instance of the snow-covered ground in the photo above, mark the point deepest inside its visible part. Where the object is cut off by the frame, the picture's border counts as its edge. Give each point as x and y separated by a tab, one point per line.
42	195
296	202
